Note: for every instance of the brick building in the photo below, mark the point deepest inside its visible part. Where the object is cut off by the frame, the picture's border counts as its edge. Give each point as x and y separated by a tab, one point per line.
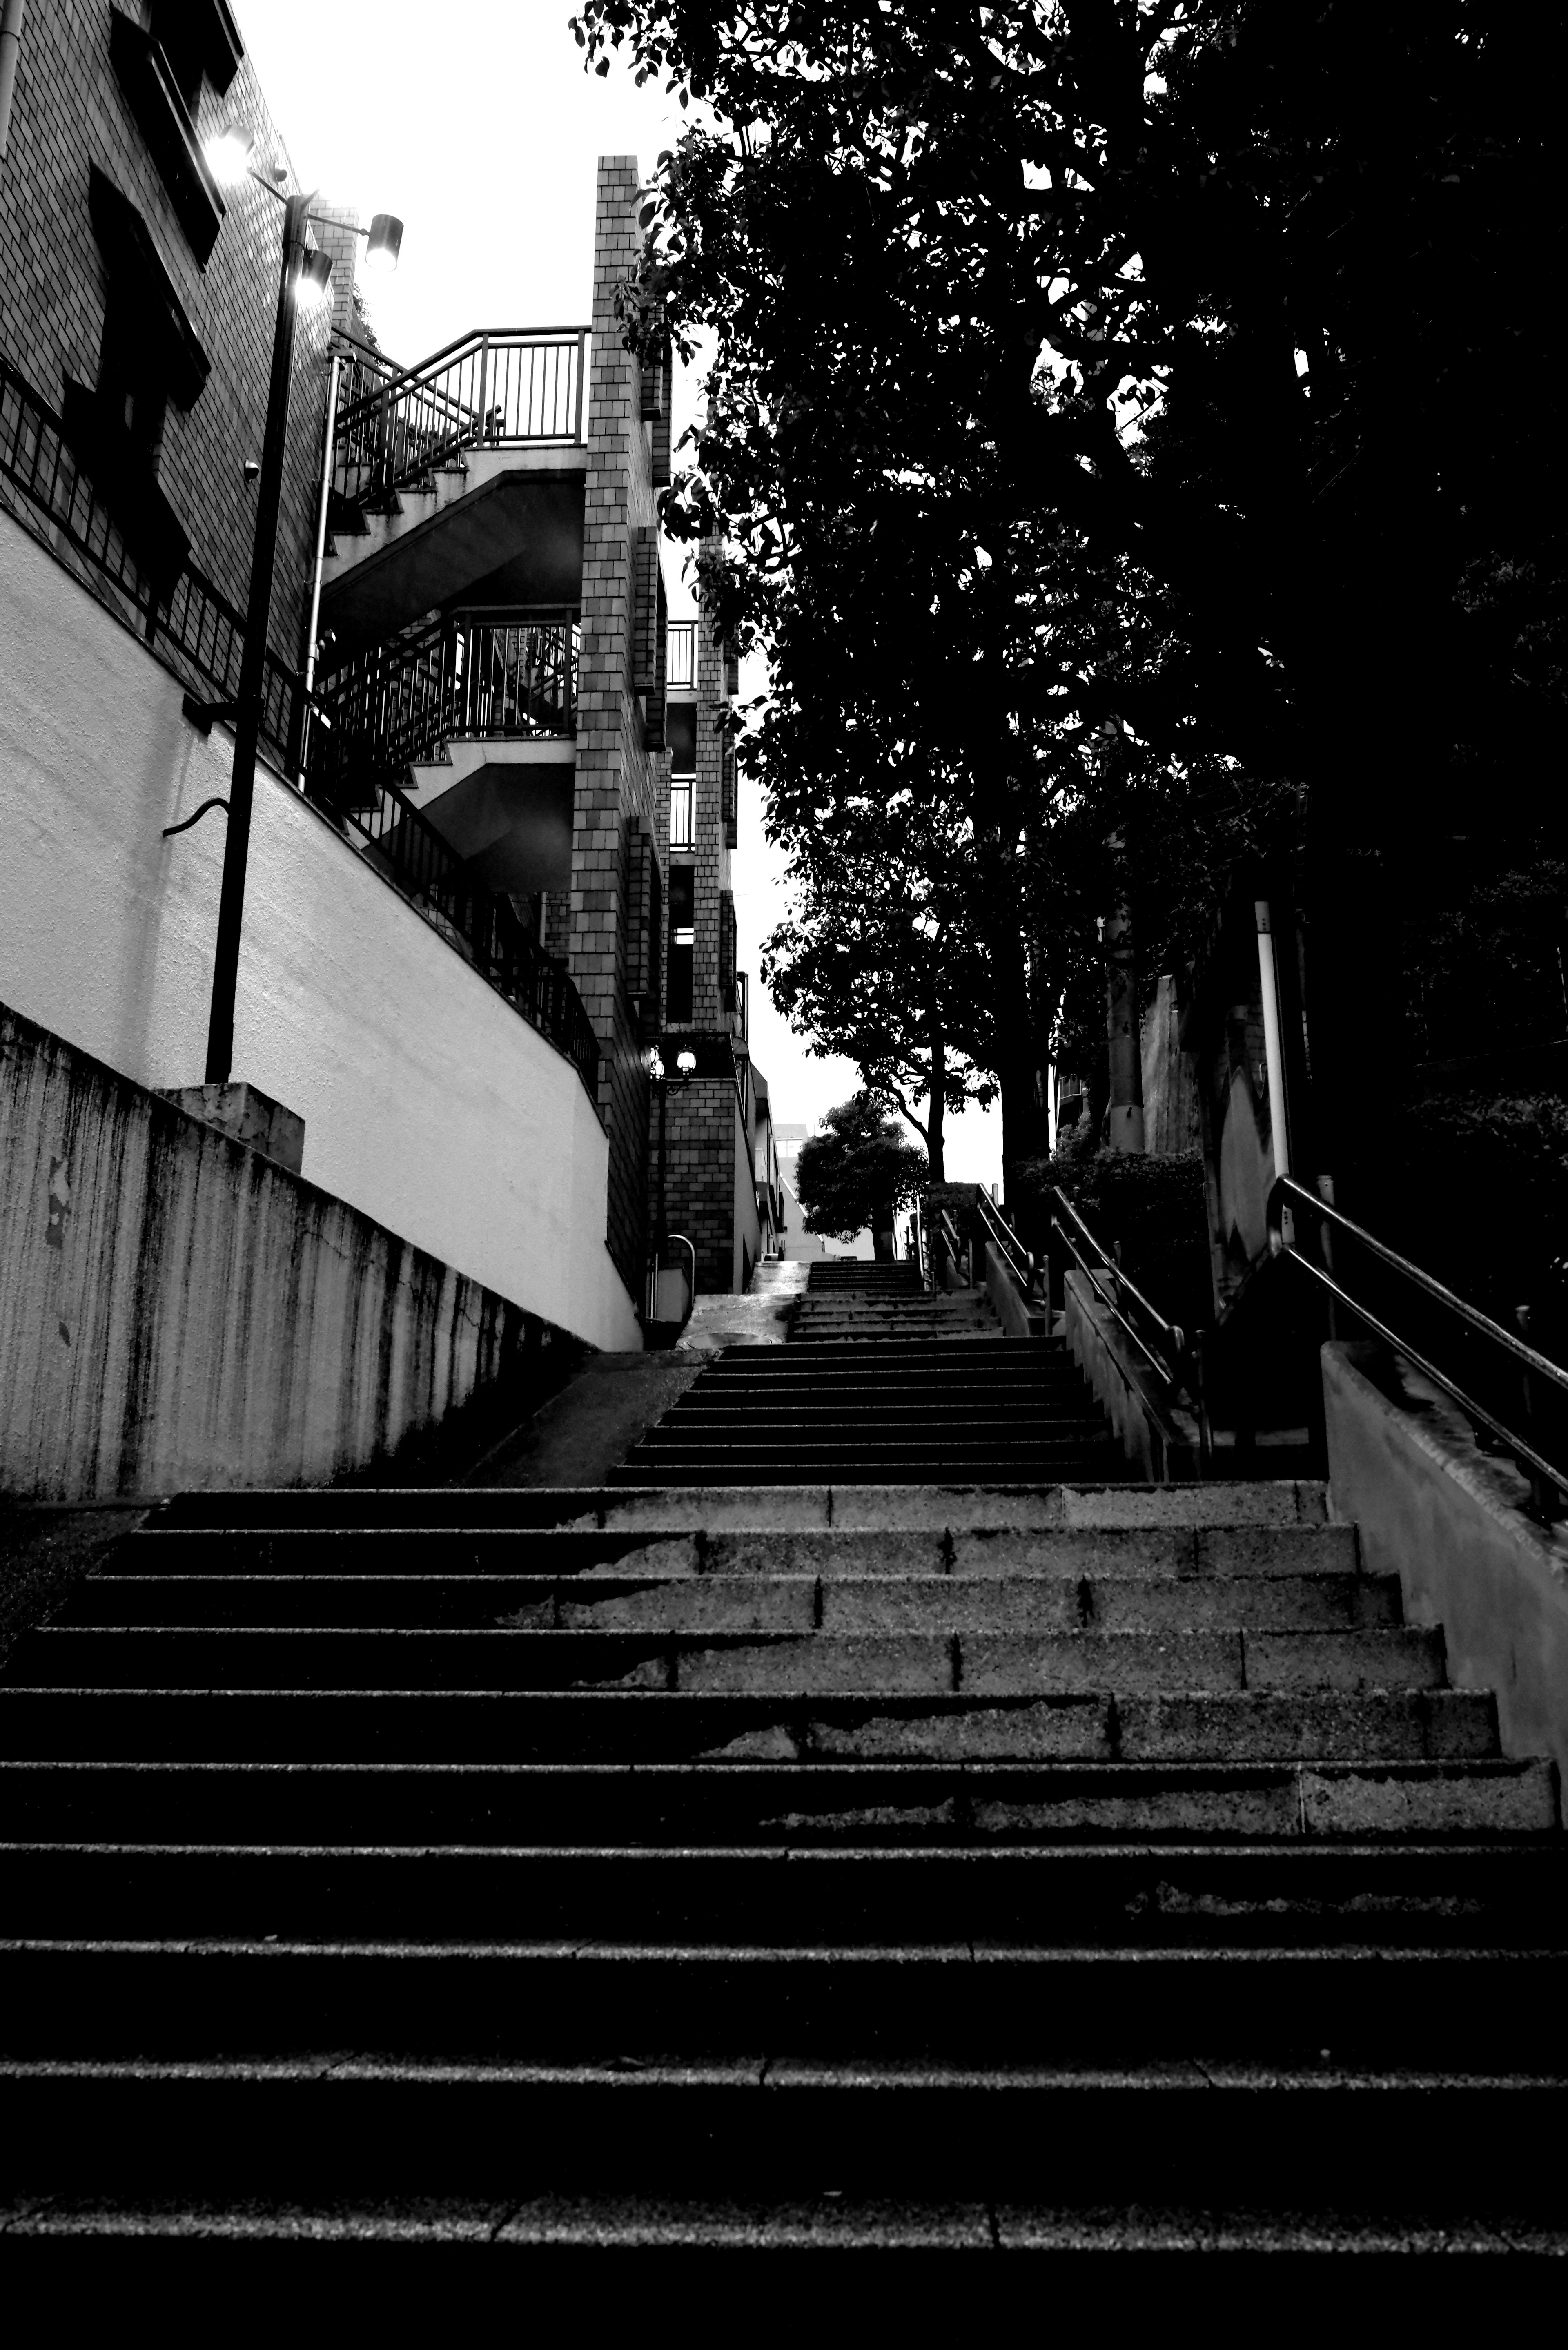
451	953
714	1171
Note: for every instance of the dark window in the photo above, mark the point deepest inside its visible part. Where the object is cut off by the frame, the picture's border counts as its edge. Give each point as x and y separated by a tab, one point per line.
132	381
681	723
682	941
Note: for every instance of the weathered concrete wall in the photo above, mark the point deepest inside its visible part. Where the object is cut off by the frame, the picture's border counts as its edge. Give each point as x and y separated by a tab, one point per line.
1448	1519
176	1310
1161	1440
429	1103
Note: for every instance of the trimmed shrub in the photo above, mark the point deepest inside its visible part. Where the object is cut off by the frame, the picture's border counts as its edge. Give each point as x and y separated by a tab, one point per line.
1154	1207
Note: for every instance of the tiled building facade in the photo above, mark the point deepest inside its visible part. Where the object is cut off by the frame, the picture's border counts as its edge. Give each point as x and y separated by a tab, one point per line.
621	768
708	1182
104	111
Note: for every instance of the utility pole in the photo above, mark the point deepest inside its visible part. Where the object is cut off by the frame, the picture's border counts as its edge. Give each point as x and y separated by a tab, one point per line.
1124	1045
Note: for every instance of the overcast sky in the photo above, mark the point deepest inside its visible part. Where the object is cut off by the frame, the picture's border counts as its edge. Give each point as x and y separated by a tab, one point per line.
475	122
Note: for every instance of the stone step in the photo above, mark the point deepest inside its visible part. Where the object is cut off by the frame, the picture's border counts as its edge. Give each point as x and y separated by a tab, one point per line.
935	1806
715	1465
916	2251
217	1723
716	1601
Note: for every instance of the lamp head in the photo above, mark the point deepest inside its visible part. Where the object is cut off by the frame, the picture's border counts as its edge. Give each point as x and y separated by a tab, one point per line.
384	244
686	1063
313	283
229	153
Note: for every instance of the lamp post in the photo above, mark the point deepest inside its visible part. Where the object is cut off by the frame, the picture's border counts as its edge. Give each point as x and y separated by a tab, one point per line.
301	268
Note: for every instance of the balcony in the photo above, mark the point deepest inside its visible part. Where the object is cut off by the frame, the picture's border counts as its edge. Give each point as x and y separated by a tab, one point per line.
681	656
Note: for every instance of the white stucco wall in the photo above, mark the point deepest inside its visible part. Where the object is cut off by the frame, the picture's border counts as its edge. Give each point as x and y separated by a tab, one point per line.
428	1102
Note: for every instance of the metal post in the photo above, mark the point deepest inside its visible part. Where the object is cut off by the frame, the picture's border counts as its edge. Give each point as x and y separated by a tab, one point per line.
1275	1057
11	16
326	470
253	662
582	387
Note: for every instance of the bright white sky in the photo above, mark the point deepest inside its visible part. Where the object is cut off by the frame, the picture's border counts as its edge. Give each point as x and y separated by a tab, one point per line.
476	124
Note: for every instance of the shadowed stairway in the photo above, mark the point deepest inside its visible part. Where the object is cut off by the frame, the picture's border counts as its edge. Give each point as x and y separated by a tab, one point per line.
964	1871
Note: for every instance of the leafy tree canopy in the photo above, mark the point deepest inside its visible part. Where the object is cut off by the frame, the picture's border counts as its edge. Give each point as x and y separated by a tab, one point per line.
858	1170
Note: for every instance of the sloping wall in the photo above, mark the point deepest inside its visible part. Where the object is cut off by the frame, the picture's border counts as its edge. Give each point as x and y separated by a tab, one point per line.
429	1103
176	1310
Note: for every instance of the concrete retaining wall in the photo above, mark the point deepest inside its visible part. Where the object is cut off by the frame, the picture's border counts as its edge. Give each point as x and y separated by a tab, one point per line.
429	1103
176	1310
1448	1518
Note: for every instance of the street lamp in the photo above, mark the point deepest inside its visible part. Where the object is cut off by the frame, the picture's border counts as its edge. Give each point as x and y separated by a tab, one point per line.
305	280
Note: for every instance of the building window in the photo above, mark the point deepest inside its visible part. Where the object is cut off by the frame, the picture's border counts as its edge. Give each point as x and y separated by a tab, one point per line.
682	942
681	798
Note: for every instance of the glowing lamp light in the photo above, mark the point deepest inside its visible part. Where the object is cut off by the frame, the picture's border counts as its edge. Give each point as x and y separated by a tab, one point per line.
384	244
686	1063
313	283
229	153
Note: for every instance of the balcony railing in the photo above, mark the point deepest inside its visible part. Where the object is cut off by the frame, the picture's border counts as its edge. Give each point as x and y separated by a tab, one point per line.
680	653
187	622
479	921
681	798
197	634
461	676
497	388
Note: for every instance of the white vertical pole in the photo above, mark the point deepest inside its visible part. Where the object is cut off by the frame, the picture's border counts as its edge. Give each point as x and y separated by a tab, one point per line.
1273	1050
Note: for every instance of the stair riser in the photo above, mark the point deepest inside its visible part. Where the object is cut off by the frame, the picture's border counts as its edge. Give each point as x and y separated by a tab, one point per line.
1094	2142
731	1603
1073	2008
1122	1552
760	1803
1438	1725
715	1509
975	1664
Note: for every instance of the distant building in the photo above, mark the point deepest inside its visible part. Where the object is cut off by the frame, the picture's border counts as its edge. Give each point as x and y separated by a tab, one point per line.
712	1158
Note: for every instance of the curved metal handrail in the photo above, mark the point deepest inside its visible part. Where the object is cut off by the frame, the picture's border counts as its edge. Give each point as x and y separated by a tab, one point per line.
1286	1187
1171	1332
1019	1260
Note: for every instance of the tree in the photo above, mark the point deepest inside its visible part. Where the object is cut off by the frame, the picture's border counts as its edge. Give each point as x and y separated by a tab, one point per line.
1227	307
876	960
856	1172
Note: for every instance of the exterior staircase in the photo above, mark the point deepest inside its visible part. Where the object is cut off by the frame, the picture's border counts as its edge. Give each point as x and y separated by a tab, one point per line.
1066	1869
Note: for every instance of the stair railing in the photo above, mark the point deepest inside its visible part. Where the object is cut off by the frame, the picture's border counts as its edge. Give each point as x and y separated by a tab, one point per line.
1536	1375
947	1244
398	701
496	387
656	1266
1019	1261
1176	1361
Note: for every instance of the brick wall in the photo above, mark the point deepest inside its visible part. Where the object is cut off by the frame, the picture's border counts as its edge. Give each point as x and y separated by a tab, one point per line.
69	113
699	1175
616	775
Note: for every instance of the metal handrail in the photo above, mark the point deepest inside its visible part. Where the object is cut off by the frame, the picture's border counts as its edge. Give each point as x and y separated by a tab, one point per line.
1021	1262
495	387
1107	1298
1423	1280
401	377
1171	1332
1537	1364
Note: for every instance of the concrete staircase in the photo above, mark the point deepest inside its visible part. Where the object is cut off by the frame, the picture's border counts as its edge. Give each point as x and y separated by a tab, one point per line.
1080	1871
863	1302
880	1381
